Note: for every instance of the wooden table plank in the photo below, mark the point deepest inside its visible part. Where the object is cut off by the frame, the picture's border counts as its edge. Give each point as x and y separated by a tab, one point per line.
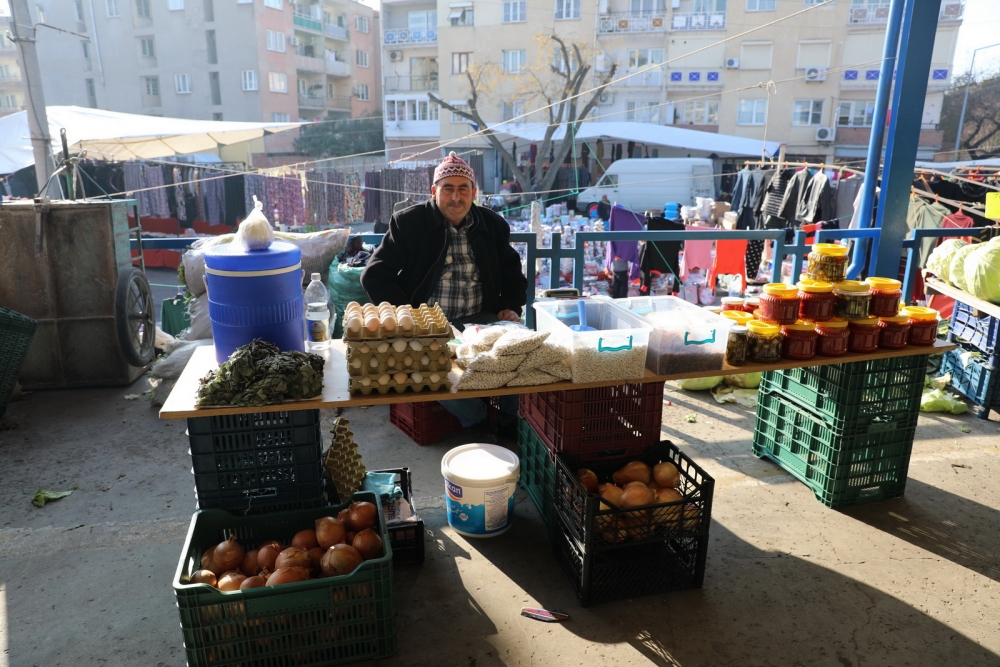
181	402
941	287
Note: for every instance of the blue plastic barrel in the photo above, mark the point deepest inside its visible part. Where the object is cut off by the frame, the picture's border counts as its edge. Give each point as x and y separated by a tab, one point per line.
255	294
671	210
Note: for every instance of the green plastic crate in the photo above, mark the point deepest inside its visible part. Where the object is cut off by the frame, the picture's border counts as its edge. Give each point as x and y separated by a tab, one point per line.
538	470
862	465
327	621
854	395
16	332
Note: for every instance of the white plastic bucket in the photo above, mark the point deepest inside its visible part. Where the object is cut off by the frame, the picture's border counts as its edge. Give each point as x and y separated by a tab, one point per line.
479	484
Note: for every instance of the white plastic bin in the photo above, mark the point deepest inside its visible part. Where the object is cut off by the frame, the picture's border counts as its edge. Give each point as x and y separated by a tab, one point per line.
685	337
616	350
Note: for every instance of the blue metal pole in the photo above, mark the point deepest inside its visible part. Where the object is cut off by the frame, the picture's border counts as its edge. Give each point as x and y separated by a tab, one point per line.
878	132
920	20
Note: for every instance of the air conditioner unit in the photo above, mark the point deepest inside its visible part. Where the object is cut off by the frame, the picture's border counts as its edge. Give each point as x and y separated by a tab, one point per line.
355	91
294	41
825	134
606	99
815	74
395	56
732	63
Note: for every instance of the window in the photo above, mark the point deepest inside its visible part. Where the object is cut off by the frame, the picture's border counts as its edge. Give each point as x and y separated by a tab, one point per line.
212	52
273	4
511	110
514	12
79	9
395	110
244	2
421	110
151	85
752	112
147	47
813	54
113	9
755	55
142	9
303	87
86	50
812	2
455	118
567	9
560	65
807	112
217	115
361	58
9	102
8	73
209	10
275	41
760	5
364	93
708	6
175	5
513	61
648	7
279	117
91	93
608	179
361	24
461	14
249	79
858	113
278	82
460	62
213	85
422	20
182	83
701	112
642	58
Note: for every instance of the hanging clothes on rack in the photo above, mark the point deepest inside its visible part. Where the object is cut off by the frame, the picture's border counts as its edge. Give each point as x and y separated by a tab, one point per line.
925	215
373	183
816	201
624	220
659	256
847	192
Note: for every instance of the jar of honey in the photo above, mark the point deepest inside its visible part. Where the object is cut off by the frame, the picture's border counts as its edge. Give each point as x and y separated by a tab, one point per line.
887	295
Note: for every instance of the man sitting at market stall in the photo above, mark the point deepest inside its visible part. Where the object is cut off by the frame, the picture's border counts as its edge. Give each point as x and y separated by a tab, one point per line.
456	254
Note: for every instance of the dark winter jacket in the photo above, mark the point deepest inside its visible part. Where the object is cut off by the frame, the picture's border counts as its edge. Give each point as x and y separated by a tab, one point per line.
408	264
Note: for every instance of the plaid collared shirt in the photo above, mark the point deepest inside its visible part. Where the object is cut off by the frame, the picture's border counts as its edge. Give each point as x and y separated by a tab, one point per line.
460	291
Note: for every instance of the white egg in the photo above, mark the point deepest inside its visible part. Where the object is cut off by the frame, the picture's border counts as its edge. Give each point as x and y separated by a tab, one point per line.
390	362
383	379
354	324
417	377
416	346
399	345
364	349
434	377
373	362
366	381
425	360
407	360
355	363
382	348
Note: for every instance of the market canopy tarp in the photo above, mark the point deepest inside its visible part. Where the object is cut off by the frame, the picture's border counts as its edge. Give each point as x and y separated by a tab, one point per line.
723	145
124	136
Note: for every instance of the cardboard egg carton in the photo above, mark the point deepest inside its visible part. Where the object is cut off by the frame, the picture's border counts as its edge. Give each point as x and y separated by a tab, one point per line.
427	321
356	386
342	464
374	364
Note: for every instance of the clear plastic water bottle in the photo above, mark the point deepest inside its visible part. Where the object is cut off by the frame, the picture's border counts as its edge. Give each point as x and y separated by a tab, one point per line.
317	302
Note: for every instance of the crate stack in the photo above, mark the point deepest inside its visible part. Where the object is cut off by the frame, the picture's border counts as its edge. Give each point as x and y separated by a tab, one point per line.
974	376
16	333
845	430
610	553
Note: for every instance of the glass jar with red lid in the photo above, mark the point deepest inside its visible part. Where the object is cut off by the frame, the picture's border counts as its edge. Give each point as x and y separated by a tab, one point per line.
732	303
864	335
815	300
893	332
751	303
831	337
923	324
887	296
779	304
798	341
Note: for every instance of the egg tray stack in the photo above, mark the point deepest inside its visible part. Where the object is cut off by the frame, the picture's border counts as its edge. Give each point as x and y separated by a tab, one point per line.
342	465
428	321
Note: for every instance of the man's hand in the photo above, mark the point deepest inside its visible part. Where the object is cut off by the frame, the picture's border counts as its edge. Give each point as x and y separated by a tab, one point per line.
508	316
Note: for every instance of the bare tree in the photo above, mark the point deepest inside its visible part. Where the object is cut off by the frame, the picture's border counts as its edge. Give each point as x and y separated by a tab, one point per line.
558	86
981	127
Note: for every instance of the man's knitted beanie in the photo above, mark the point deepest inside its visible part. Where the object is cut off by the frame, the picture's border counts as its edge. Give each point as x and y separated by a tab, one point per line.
454	166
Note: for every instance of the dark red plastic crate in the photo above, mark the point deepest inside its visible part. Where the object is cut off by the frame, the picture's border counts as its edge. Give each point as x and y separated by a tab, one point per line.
425	422
597	423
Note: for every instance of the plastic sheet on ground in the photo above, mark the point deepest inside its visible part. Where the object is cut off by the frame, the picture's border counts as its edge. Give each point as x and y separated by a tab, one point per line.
728	394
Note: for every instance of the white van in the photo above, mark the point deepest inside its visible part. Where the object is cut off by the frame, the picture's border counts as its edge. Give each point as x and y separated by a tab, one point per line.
640	184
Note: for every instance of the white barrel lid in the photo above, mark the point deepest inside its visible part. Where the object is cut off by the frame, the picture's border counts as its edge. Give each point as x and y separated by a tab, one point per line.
479	462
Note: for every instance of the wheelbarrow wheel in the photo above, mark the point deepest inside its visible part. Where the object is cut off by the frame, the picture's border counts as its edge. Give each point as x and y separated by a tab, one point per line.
134	320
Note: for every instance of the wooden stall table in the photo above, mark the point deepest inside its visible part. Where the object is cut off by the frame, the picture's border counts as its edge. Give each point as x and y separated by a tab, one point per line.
941	287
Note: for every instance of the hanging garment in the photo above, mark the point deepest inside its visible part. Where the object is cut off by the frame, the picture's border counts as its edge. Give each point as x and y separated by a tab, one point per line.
794	192
958	220
816	201
624	220
924	215
847	192
659	256
730	259
775	193
697	255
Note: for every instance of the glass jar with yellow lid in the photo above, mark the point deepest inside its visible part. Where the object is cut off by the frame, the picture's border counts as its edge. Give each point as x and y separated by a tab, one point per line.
851	300
887	294
893	332
815	300
779	304
798	340
764	342
827	262
923	324
864	334
738	316
832	337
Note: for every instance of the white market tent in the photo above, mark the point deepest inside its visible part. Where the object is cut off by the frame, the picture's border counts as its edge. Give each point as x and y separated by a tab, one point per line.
124	136
946	166
723	145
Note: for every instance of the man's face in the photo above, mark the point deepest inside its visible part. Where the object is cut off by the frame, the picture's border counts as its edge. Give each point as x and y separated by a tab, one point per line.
454	196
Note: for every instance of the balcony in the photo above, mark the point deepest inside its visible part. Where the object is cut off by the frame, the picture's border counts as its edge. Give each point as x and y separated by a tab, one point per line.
651	78
309	64
629	22
876	13
307	23
397	84
12	78
682	21
338	103
392	38
312	102
337	68
336	31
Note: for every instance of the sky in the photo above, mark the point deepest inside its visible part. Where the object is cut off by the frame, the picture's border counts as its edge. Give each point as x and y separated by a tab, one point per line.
980	27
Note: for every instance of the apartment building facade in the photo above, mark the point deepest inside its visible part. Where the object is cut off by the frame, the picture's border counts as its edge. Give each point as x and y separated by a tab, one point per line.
238	60
12	87
824	64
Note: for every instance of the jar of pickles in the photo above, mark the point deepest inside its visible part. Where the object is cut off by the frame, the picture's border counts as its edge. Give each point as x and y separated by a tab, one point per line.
737	316
893	332
751	303
827	262
886	297
851	300
764	342
779	304
923	324
732	303
815	300
738	345
798	341
831	337
864	335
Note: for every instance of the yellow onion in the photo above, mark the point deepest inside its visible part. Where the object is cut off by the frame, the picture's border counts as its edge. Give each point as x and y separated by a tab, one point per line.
229	554
340	559
631	472
204	577
287	575
230	581
587	479
636	483
637	496
666	474
315	555
249	566
268	553
692	517
668	496
368	543
208	562
305	539
255	581
329	531
292	557
610	493
362	515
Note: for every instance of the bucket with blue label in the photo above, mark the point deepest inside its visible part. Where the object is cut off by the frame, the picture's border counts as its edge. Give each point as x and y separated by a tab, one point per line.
479	485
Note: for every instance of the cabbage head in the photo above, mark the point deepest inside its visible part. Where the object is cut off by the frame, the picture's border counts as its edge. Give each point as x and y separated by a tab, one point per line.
699	384
939	260
982	271
956	269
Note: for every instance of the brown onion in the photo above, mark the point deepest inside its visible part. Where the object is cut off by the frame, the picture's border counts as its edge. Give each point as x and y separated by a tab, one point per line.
636	483
315	556
288	575
230	581
267	554
228	554
368	543
305	539
330	531
255	581
637	496
344	516
587	479
204	577
363	515
340	559
668	496
208	562
249	565
611	493
349	537
632	471
666	474
292	557
692	517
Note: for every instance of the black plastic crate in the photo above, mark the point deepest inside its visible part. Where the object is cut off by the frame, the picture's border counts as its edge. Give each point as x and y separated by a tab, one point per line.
976	381
265	500
977	329
538	471
407	538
